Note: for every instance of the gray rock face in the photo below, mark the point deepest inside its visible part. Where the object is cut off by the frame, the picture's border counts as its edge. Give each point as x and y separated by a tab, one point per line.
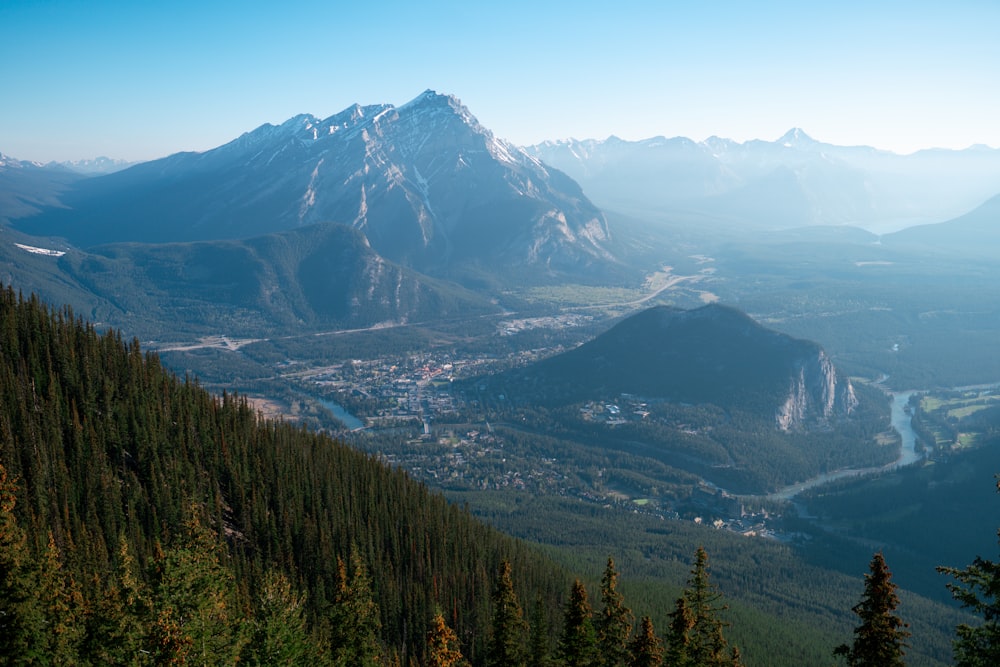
427	183
815	395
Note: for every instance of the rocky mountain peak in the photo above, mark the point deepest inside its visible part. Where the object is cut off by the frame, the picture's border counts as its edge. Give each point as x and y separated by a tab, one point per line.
426	183
796	138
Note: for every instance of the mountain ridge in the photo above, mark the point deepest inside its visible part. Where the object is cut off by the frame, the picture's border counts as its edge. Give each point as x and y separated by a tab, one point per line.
721	178
427	184
312	278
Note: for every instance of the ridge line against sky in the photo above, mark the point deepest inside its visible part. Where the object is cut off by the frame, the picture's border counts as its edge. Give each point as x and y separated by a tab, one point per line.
139	81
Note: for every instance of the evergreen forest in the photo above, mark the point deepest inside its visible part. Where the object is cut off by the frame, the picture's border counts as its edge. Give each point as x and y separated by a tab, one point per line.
145	521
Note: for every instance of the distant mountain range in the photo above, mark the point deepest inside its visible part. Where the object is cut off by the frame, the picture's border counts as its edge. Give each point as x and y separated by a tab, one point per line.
27	188
794	181
714	354
428	186
425	190
95	166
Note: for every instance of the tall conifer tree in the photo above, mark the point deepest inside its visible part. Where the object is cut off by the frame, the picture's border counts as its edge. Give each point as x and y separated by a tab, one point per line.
355	617
197	616
62	606
679	635
443	648
506	645
20	614
279	635
696	631
538	640
646	649
978	588
880	640
121	615
578	644
614	624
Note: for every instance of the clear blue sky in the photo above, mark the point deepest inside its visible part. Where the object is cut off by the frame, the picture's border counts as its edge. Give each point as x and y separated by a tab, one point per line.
140	79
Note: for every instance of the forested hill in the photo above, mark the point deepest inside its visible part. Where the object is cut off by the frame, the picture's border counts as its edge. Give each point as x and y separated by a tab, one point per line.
142	516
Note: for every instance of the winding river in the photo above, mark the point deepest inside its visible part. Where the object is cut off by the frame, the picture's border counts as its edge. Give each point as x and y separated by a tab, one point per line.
907	453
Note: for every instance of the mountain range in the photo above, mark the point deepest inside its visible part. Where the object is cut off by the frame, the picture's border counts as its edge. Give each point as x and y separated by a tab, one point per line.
793	181
427	185
27	188
391	215
436	200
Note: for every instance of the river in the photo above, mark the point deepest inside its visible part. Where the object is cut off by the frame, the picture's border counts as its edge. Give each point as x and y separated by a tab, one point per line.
907	454
350	421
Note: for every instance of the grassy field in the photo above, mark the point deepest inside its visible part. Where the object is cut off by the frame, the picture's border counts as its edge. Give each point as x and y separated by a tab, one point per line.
959	407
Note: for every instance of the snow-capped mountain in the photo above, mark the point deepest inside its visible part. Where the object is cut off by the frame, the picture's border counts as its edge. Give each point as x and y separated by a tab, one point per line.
425	182
95	166
28	187
7	162
790	182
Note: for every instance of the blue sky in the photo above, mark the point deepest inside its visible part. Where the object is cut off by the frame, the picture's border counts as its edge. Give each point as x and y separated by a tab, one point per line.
140	79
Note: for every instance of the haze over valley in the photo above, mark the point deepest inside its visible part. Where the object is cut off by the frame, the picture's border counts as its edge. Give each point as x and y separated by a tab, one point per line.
352	376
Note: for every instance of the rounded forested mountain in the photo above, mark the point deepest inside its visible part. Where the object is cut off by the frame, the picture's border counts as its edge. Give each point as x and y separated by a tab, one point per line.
714	354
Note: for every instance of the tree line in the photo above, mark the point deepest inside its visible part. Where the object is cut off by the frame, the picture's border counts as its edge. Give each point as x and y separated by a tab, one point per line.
608	636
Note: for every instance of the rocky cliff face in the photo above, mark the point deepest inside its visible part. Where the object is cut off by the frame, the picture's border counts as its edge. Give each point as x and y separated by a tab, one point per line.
815	395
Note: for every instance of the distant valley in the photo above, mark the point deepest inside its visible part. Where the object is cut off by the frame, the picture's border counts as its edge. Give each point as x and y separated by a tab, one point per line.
593	343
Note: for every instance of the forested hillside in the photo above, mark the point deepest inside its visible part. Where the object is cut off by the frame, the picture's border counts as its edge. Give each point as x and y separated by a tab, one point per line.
155	520
145	521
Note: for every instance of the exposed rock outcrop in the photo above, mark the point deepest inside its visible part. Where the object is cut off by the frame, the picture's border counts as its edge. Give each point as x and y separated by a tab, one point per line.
815	395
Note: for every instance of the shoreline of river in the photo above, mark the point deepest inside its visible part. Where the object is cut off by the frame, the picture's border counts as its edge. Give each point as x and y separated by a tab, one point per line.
901	421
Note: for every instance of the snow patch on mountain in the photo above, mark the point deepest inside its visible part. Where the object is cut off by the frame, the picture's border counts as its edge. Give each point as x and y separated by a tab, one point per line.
309	198
40	251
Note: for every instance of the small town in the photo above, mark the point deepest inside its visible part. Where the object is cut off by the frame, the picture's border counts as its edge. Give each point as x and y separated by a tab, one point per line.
408	402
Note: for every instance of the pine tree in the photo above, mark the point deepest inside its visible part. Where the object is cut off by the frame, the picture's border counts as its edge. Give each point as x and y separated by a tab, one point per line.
194	600
506	645
614	625
354	618
679	635
442	645
20	614
578	644
279	635
880	640
646	649
696	631
62	606
978	588
121	615
538	639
